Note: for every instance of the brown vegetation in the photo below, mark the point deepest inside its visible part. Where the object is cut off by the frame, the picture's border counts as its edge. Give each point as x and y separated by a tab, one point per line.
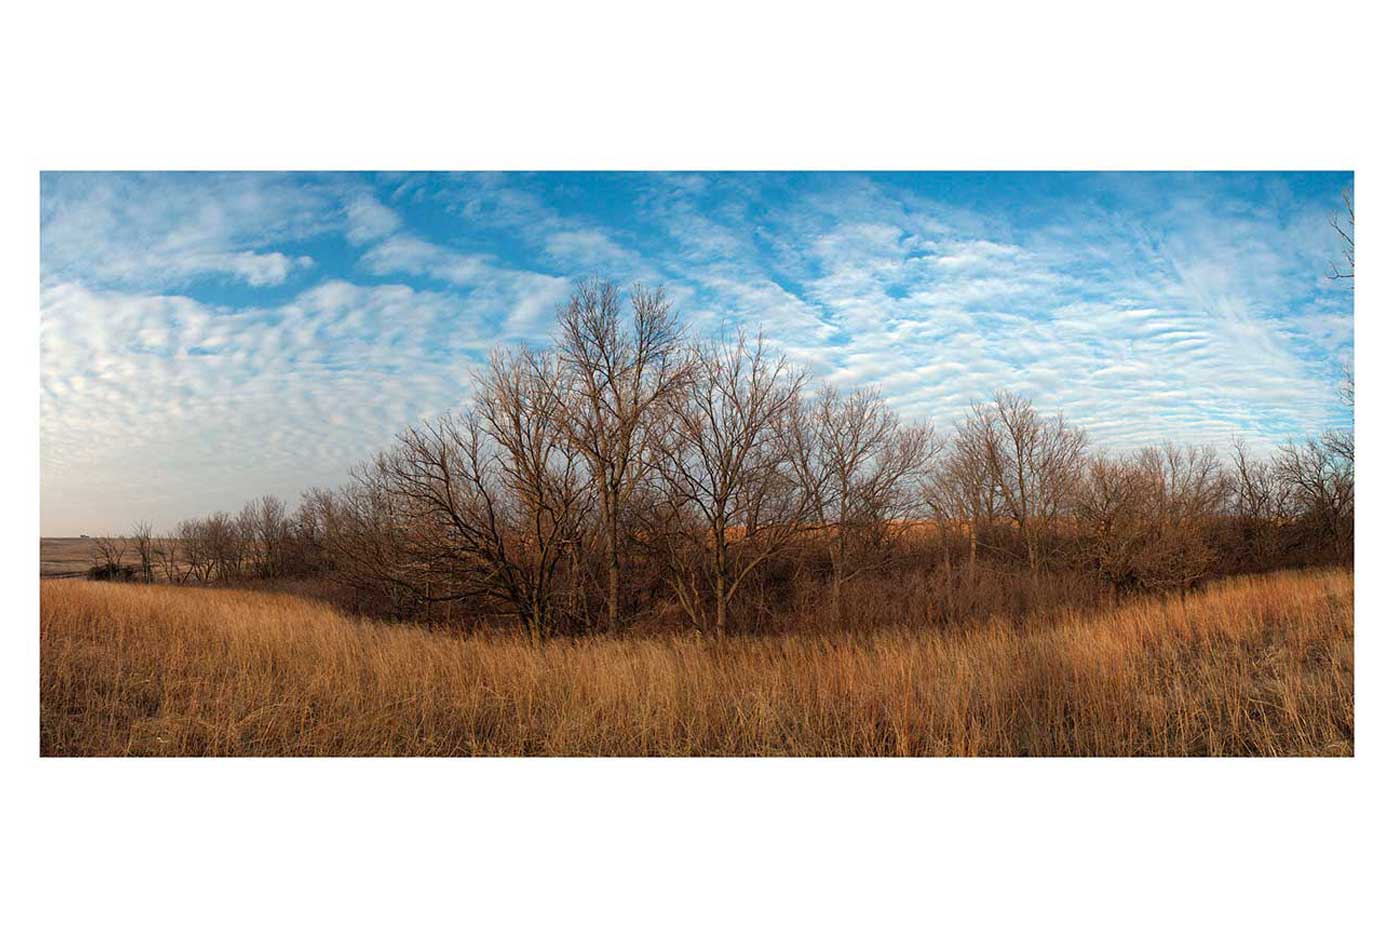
1257	665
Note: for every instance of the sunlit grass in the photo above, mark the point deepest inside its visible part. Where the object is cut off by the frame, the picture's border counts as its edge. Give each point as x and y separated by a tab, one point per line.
1251	666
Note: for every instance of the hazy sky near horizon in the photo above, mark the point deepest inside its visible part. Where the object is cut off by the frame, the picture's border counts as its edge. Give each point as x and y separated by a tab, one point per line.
206	338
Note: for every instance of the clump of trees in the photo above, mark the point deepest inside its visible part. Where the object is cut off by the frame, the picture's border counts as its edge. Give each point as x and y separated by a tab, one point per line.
263	541
629	475
725	497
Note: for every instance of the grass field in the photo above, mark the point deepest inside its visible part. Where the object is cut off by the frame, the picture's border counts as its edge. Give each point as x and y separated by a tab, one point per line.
1251	666
66	557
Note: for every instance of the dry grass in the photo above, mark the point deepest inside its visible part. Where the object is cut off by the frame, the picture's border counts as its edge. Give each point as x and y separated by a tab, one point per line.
1251	666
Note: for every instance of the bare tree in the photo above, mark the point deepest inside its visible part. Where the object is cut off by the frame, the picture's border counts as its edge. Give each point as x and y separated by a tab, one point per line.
1342	443
543	475
247	556
483	506
857	466
224	539
170	559
109	559
611	381
307	530
1319	487
1184	492
369	536
1112	524
961	493
1255	500
211	543
1145	520
730	501
1346	230
270	529
144	545
1033	461
1253	485
194	542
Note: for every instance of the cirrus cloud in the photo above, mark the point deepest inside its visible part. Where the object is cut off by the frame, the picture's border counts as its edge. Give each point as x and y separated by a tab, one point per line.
209	337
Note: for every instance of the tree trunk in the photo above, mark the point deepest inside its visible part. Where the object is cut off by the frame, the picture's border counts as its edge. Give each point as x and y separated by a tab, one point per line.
536	623
947	557
614	564
721	575
838	566
614	586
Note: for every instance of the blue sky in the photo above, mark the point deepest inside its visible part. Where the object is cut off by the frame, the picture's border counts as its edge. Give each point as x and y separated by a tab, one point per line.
205	338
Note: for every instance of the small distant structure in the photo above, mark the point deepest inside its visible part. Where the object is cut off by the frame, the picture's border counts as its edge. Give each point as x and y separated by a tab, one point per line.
85	536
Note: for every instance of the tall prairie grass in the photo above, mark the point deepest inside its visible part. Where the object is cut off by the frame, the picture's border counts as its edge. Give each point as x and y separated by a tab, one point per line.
1248	666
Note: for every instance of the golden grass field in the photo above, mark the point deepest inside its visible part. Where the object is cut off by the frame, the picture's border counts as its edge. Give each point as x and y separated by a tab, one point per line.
1249	666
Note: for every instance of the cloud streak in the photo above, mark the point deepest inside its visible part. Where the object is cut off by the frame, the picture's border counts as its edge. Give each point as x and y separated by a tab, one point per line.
206	338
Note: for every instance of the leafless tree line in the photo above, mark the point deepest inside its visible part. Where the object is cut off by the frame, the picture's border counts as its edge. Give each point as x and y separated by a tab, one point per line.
629	468
263	540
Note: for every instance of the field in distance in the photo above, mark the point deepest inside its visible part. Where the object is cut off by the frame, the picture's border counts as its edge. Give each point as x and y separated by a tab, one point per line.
65	557
1246	666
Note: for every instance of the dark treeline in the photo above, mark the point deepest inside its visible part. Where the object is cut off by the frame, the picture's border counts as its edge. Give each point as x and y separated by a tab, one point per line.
632	477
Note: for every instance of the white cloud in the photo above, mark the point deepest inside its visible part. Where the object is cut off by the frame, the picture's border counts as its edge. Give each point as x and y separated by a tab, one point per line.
162	407
404	253
260	268
367	219
1184	318
169	228
590	251
521	302
1137	333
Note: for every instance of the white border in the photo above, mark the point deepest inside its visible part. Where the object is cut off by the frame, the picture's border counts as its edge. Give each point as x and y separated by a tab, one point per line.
694	845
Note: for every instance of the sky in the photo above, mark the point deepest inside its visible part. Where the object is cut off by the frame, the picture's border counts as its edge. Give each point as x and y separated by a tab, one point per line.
208	338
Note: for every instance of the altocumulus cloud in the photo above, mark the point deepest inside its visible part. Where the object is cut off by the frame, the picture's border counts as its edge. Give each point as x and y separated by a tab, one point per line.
210	337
